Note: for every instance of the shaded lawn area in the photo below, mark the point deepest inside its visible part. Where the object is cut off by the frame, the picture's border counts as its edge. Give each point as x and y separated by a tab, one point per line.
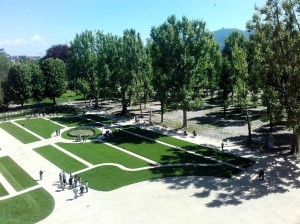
26	208
97	153
3	191
73	121
40	126
107	178
97	118
15	175
19	133
213	153
157	152
60	159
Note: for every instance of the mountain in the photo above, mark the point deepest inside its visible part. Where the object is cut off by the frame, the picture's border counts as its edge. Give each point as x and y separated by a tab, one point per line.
221	34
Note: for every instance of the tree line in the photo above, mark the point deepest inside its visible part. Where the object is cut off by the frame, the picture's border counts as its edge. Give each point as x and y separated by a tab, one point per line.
179	63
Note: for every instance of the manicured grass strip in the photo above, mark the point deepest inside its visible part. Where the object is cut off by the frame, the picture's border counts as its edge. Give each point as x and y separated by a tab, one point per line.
60	159
73	121
3	191
97	118
15	175
66	136
107	178
19	133
157	152
40	126
97	153
213	153
30	207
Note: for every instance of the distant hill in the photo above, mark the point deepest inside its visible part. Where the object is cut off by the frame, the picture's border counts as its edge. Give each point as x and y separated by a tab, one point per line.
221	34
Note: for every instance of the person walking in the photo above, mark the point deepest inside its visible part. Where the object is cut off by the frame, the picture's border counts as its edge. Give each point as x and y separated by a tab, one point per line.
41	174
86	186
75	190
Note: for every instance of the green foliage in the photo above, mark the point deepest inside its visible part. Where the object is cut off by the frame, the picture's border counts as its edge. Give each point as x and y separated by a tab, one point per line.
19	83
37	82
5	65
54	71
27	208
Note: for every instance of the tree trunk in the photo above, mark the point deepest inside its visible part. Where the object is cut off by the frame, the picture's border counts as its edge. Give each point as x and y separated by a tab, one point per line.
162	111
184	125
141	111
96	102
53	100
296	142
124	109
249	128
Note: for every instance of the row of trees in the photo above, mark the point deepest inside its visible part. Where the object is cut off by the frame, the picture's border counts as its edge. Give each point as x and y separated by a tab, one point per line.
179	62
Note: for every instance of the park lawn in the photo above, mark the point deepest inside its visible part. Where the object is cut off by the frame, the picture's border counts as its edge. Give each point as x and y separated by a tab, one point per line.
97	153
30	207
40	126
66	136
3	191
60	159
213	153
19	133
15	175
107	178
155	151
100	119
73	121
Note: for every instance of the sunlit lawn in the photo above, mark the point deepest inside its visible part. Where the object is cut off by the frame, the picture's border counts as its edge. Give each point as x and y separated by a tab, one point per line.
26	208
15	175
19	133
60	159
40	126
3	191
72	121
107	178
97	153
213	153
157	152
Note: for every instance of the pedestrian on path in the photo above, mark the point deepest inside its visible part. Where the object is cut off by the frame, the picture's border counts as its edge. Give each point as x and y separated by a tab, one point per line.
41	174
86	186
75	191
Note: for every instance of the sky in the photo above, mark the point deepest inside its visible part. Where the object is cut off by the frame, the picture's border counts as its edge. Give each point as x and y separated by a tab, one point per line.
30	27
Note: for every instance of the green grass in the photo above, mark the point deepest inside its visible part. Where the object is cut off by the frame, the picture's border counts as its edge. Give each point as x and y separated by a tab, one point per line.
97	153
19	133
66	97
66	136
27	208
15	175
97	118
60	159
40	126
213	153
107	178
157	152
3	191
73	121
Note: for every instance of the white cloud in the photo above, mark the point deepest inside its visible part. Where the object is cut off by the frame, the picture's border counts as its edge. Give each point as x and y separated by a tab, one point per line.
36	38
13	43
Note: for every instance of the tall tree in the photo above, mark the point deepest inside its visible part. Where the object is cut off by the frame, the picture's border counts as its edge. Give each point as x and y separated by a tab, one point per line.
19	83
82	61
276	33
54	71
37	82
5	65
183	55
59	51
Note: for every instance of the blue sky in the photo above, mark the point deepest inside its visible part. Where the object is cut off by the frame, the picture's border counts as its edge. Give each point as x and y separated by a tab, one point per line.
30	27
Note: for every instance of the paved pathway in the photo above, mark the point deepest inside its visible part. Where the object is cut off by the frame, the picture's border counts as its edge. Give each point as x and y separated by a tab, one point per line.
181	200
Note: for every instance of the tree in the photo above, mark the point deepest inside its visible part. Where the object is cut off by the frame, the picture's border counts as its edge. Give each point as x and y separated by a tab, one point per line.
183	55
59	51
83	88
54	71
37	82
82	61
19	83
5	65
275	32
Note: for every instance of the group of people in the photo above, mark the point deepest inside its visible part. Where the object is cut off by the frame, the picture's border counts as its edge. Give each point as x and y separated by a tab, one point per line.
81	138
75	183
107	134
194	134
